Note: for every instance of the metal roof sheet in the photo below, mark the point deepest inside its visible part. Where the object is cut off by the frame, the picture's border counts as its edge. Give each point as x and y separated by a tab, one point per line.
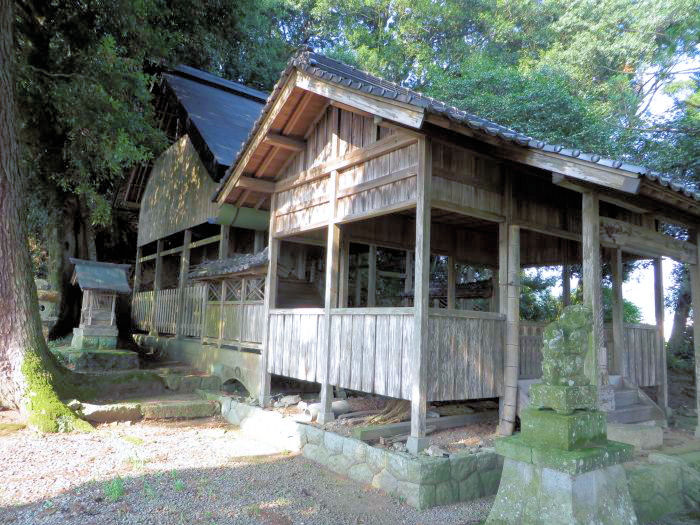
343	75
108	277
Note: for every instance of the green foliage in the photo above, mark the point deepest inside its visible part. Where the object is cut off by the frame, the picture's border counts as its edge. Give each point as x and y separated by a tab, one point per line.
537	302
114	489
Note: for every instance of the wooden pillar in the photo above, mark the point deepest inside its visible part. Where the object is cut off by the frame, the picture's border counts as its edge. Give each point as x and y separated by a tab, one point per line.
495	305
137	273
417	441
662	388
157	283
259	241
301	263
592	296
694	270
182	283
372	276
451	282
344	271
273	245
408	279
330	298
511	308
358	282
618	329
224	246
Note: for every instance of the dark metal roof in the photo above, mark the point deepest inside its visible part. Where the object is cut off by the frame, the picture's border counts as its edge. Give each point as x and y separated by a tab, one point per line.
108	277
343	75
236	264
222	111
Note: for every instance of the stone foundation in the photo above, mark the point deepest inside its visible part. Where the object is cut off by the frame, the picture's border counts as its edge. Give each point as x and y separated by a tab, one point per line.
98	359
93	338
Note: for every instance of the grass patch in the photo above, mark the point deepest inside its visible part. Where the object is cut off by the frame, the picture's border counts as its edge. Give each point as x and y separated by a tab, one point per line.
114	489
148	491
9	428
134	440
253	510
179	485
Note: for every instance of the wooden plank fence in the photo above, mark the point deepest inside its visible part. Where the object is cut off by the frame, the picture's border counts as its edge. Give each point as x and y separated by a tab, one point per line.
193	312
166	311
644	359
141	307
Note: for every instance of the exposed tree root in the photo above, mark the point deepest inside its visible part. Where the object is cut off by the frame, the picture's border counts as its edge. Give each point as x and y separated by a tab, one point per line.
395	411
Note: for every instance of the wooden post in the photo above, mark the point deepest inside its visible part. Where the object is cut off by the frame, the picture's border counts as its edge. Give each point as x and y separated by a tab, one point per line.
511	308
137	273
259	241
408	280
619	349
372	276
182	283
661	389
273	246
592	296
114	303
344	271
419	358
157	282
330	297
301	263
495	292
694	270
451	282
224	246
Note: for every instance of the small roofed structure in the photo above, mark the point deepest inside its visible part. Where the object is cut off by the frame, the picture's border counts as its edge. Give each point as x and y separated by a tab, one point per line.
100	283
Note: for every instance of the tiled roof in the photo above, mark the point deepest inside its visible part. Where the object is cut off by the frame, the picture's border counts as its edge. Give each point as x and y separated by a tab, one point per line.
236	264
343	75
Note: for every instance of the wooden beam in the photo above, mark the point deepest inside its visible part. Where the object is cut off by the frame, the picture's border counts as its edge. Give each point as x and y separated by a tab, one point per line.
372	276
390	110
330	300
694	271
259	185
662	388
511	308
260	134
373	432
592	297
550	161
284	142
419	351
618	328
269	304
645	241
299	111
564	182
182	283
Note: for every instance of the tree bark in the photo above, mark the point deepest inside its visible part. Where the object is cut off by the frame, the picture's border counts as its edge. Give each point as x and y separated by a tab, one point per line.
681	313
28	373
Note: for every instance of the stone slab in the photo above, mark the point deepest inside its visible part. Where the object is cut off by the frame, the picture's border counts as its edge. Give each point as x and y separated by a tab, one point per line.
642	437
98	359
567	461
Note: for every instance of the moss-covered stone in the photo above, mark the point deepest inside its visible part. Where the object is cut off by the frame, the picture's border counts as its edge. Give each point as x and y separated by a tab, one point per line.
98	359
563	398
180	409
545	428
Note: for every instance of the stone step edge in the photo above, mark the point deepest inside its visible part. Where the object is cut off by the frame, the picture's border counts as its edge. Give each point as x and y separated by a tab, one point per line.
149	410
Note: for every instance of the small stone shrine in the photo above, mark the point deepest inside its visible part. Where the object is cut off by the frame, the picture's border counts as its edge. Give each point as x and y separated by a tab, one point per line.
94	344
561	468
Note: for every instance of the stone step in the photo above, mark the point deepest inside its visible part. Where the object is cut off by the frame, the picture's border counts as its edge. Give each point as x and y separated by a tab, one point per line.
626	397
160	407
636	413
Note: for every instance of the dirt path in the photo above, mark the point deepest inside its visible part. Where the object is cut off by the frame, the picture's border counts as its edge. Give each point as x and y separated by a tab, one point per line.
193	472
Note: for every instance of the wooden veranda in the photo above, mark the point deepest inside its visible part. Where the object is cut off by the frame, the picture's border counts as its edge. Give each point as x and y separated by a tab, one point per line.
341	157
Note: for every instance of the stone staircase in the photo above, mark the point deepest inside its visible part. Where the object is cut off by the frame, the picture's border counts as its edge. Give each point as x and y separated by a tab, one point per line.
632	405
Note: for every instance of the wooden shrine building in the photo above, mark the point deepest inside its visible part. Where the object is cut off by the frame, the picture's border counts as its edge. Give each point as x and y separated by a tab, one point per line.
342	159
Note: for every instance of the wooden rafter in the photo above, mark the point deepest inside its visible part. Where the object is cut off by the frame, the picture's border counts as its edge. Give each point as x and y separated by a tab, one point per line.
283	142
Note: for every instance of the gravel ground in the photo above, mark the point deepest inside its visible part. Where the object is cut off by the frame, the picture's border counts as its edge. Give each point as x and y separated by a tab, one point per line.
201	471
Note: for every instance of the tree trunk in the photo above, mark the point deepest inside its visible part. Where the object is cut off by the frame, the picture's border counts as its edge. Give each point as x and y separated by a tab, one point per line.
681	313
28	373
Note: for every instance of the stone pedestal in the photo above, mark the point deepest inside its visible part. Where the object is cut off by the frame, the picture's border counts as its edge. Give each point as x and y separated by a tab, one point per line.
94	337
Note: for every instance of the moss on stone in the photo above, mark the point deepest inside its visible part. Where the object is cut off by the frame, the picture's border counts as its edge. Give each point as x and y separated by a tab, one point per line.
9	428
46	412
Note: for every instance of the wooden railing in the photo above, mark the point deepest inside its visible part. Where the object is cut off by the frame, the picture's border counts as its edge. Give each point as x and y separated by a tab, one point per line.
192	316
141	307
166	311
466	359
643	357
370	350
235	315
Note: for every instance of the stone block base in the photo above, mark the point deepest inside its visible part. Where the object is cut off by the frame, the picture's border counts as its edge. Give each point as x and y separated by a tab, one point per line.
534	494
643	437
546	428
93	338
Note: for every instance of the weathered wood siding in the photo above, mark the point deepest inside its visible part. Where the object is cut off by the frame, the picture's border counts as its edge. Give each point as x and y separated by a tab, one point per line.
644	359
466	358
370	350
294	343
239	319
141	307
166	311
464	179
178	194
